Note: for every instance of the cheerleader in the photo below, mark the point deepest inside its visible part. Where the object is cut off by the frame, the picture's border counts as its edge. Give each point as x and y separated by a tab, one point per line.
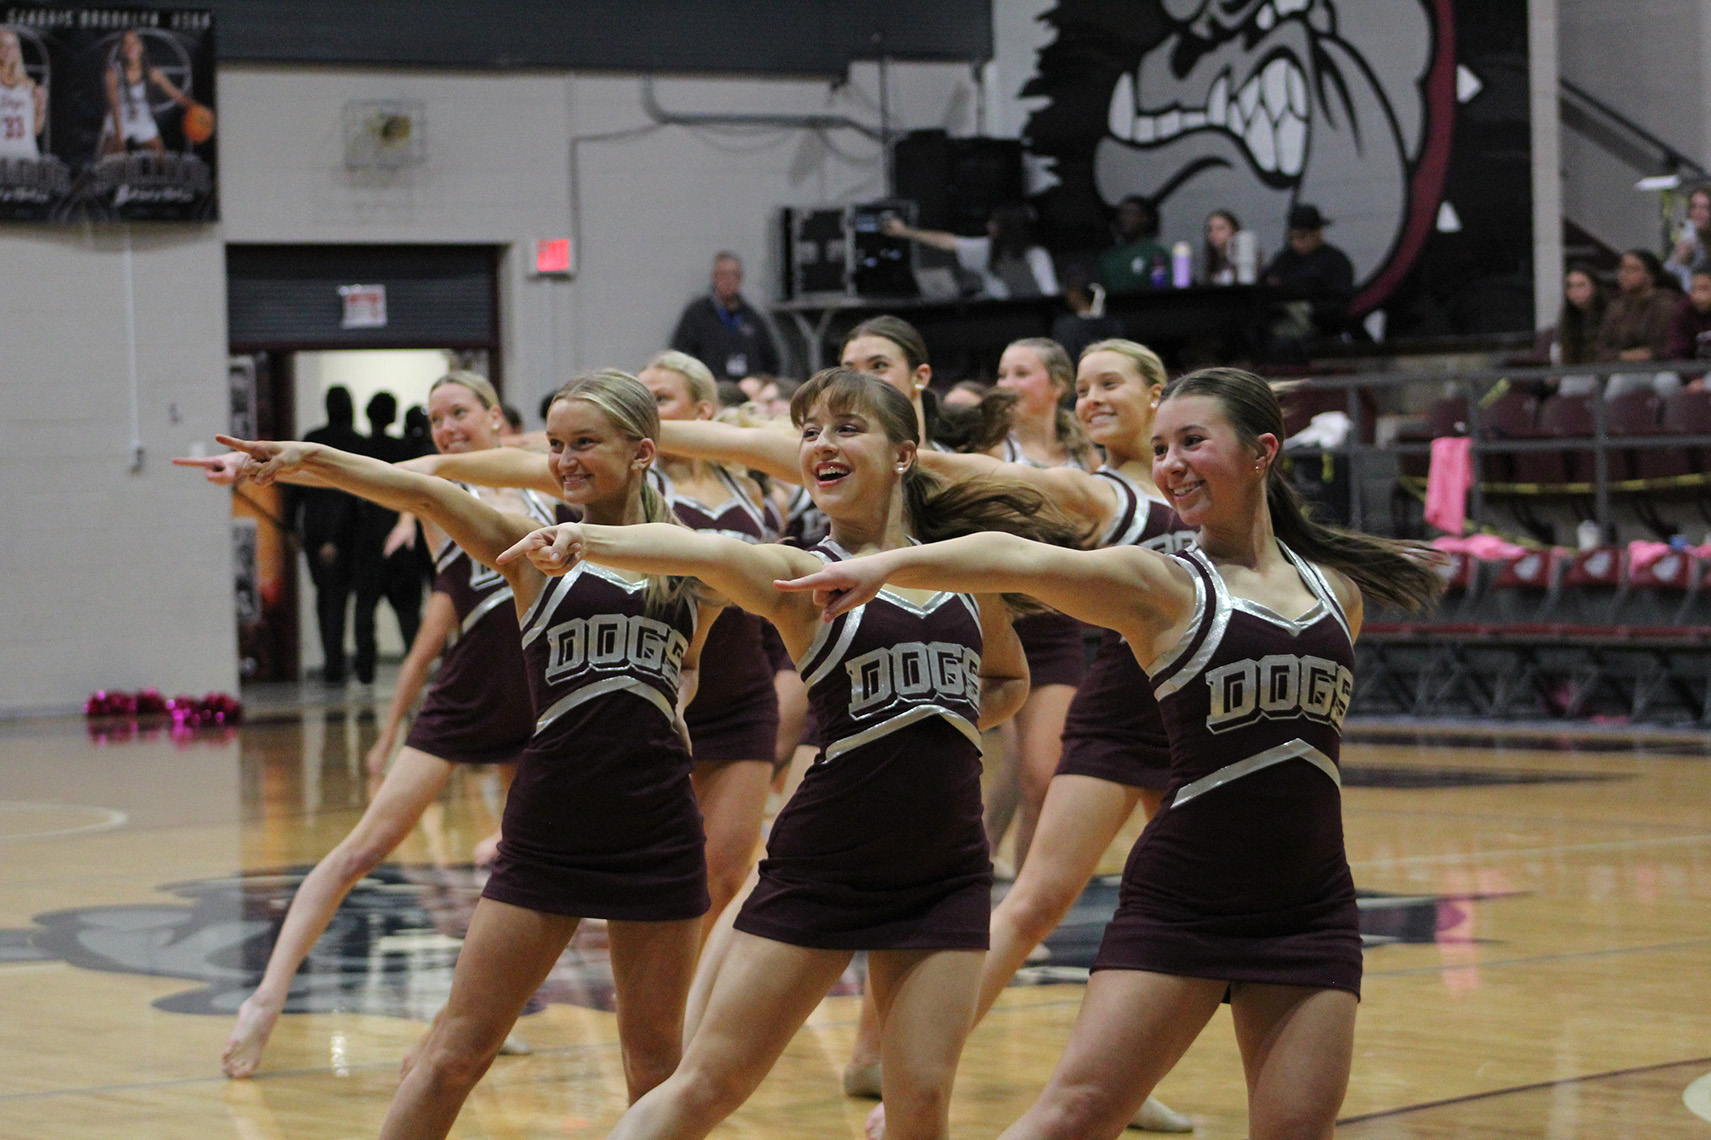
601	820
1239	888
477	712
881	848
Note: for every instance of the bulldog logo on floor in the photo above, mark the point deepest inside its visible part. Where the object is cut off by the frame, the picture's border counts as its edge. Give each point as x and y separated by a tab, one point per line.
1255	106
391	948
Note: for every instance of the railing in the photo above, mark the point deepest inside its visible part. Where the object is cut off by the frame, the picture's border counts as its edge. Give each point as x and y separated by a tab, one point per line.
1363	458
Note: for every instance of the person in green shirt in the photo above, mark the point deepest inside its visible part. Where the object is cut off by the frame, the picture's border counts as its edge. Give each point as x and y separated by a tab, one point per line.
1128	266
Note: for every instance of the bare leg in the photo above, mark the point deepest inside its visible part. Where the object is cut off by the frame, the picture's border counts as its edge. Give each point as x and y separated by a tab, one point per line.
1039	747
488	849
732	795
713	950
505	958
764	993
926	1001
1297	1045
411	784
652	963
863	1076
1080	818
1133	1028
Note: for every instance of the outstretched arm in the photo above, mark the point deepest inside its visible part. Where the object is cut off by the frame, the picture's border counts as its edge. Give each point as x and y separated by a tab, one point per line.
766	449
1142	595
743	572
493	467
482	531
1086	498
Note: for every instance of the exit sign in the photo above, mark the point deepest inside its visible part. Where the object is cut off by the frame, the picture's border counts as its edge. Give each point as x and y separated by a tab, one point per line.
552	257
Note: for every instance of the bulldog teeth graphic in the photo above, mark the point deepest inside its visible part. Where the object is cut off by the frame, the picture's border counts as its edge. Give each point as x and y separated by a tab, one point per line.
1258	105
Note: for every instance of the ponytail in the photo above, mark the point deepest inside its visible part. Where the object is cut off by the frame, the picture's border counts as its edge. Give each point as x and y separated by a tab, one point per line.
1395	574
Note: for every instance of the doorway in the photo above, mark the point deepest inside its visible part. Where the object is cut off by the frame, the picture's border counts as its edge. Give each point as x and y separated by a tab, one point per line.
425	310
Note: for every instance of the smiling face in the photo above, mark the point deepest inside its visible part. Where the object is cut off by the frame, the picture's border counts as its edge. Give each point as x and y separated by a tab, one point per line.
887	360
1115	403
459	423
671	393
1200	462
1023	371
849	464
596	464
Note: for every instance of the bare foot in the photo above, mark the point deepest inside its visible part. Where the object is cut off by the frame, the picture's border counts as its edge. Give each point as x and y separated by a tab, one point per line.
1155	1116
875	1125
487	851
249	1038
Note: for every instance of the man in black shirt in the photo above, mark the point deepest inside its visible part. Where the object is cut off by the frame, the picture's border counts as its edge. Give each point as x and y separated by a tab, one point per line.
1319	277
723	331
326	523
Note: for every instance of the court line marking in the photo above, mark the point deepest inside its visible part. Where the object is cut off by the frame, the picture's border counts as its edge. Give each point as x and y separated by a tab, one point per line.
1515	852
1608	952
114	818
1697	1097
1532	1087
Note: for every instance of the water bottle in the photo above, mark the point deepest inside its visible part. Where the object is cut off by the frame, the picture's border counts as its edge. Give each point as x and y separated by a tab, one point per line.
1181	265
1246	256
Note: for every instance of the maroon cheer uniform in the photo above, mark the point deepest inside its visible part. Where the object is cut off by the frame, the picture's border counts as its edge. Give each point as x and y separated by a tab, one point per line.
478	709
1242	876
601	820
1113	731
734	715
881	847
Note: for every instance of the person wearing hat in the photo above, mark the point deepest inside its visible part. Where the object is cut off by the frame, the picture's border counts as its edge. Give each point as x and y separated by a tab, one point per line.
1319	278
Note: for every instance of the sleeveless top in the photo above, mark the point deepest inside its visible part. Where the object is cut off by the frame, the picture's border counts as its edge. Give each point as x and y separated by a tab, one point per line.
891	663
587	637
478	708
735	517
18	121
1013	454
1249	695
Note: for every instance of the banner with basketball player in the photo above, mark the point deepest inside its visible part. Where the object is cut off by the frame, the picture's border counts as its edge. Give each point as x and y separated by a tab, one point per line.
107	114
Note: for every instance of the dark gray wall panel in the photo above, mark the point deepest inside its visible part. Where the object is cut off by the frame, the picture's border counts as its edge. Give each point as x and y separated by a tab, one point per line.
288	295
809	37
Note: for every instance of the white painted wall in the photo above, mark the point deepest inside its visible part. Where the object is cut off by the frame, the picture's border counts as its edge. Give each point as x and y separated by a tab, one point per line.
113	578
1648	59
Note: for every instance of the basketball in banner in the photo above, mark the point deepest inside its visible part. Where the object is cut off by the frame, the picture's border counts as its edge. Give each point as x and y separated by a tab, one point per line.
107	114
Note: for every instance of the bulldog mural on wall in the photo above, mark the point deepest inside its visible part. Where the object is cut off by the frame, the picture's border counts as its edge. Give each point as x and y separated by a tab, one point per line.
1257	105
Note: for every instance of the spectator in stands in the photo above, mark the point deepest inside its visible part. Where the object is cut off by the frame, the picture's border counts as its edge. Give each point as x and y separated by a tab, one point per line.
1690	335
1575	338
1218	254
1692	245
722	330
774	396
966	394
1007	260
1321	281
1636	324
1138	260
1086	322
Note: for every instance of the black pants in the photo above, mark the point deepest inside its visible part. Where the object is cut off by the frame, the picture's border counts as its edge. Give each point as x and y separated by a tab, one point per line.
398	579
333	582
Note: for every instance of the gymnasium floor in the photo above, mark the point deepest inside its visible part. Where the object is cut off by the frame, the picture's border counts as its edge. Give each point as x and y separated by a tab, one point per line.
1539	958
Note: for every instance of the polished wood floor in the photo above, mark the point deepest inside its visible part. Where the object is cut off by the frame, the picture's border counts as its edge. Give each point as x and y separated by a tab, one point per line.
1540	967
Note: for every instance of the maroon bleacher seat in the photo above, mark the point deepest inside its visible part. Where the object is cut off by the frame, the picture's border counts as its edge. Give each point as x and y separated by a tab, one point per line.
1631	414
1447	417
1689	413
1561	417
1513	415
